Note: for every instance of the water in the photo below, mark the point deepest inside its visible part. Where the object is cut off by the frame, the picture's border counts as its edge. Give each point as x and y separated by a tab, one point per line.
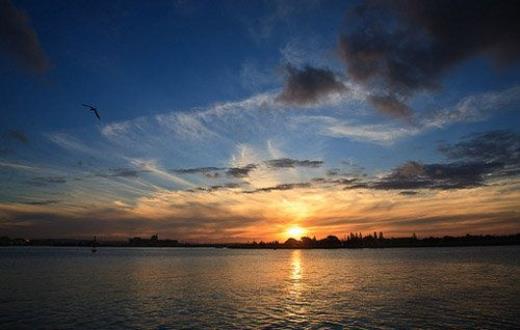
116	288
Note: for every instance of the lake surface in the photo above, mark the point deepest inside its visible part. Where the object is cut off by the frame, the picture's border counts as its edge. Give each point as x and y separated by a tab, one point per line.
174	288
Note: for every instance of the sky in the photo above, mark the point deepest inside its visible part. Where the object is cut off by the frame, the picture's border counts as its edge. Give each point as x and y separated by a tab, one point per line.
232	121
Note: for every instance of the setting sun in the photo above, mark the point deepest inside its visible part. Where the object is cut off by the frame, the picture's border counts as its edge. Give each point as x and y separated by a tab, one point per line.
295	232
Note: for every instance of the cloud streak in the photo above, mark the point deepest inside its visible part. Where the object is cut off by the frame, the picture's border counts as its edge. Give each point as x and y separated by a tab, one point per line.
291	163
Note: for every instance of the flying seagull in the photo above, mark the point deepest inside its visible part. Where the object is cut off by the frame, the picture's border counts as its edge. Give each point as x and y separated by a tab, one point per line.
93	109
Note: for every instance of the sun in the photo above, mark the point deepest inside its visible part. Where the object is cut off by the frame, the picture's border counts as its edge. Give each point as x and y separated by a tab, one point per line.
295	232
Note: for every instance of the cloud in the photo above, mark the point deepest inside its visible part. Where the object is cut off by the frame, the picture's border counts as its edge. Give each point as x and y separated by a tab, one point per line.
242	171
17	135
334	127
414	175
473	108
338	181
406	46
253	77
17	166
390	105
229	185
283	186
44	181
408	193
309	86
475	160
43	202
122	173
443	194
227	215
500	146
290	163
305	50
18	39
470	108
197	170
8	140
71	143
278	13
186	126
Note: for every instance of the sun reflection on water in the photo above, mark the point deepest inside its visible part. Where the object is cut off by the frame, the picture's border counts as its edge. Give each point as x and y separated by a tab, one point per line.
296	267
296	304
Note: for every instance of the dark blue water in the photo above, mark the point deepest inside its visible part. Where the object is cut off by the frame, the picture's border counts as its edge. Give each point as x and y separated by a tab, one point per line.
119	288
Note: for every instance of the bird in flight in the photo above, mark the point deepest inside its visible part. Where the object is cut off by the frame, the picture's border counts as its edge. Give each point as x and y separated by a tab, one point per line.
93	109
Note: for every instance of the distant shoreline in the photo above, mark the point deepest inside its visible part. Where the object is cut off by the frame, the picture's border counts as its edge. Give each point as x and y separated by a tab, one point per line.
354	241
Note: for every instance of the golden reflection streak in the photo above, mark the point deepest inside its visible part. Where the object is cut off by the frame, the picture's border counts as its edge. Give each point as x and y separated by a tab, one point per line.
296	274
296	309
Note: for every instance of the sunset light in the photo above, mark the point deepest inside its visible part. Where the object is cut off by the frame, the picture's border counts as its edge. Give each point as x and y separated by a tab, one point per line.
295	232
280	164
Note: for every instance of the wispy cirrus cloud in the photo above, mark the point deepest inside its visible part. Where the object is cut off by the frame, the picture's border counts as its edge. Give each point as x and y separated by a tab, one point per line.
386	133
471	108
44	181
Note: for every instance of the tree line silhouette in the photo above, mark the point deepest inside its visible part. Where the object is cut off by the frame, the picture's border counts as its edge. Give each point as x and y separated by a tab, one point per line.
377	240
351	241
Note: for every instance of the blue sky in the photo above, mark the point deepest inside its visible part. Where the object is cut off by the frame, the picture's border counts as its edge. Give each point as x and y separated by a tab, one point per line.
184	85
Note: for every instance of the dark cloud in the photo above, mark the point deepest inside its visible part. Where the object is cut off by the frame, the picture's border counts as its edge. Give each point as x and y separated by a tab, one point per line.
198	170
500	146
9	138
285	186
408	193
309	85
17	135
122	173
44	181
476	159
215	172
390	105
472	162
241	172
211	175
338	181
288	163
405	46
208	172
496	147
18	39
230	185
44	202
414	175
333	172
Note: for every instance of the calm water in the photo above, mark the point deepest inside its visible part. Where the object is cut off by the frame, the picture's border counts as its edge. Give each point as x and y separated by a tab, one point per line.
70	288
